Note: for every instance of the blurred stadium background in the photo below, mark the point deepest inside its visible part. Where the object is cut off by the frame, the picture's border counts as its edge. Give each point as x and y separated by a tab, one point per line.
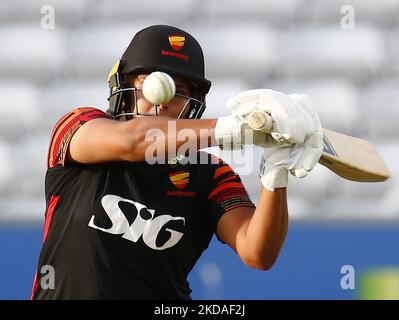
288	45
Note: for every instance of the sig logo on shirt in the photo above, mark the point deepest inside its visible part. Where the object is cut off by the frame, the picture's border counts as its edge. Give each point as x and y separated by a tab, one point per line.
145	226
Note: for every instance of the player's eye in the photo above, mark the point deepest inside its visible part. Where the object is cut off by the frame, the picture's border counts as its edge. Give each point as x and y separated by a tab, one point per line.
182	91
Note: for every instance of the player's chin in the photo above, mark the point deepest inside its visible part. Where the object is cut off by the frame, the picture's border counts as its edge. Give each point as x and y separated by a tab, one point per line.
168	114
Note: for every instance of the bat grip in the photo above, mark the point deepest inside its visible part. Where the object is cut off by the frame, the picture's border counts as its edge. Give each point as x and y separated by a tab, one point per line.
260	121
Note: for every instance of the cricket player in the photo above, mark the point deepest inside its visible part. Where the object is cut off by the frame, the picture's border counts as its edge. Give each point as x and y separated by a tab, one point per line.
120	227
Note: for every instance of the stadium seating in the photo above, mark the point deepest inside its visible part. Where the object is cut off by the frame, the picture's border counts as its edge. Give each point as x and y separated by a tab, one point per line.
65	96
280	12
20	111
5	165
379	106
145	10
331	50
220	92
30	52
67	12
382	13
237	49
335	100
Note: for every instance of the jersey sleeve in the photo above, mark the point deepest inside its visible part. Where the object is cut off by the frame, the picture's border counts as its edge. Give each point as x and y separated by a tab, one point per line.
64	130
227	192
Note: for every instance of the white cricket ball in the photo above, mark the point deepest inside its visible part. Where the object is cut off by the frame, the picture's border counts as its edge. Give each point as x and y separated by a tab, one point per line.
159	87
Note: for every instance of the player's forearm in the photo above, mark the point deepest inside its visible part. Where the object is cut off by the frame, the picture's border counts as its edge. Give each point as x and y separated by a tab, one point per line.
166	137
267	229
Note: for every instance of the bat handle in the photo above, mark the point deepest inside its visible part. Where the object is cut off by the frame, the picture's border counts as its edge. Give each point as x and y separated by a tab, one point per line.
260	121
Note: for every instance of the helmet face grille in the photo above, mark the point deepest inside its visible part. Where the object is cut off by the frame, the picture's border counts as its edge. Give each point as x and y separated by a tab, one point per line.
124	102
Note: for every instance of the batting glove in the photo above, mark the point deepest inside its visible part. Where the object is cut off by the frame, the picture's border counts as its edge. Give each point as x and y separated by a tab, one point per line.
290	123
298	158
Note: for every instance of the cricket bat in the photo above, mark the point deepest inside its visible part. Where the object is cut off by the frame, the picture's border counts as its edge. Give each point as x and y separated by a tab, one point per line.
351	158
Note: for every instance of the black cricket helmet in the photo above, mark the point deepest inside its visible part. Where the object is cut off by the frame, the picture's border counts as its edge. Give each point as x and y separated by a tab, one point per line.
159	48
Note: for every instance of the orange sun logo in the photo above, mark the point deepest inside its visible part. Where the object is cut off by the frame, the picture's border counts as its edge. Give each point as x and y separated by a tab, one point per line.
177	42
180	179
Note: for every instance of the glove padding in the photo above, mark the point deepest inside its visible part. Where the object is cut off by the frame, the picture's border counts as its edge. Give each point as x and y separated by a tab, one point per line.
298	158
295	143
290	123
313	144
277	161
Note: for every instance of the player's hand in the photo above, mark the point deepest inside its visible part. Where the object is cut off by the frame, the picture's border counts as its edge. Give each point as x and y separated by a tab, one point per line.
291	121
298	158
233	131
277	161
312	147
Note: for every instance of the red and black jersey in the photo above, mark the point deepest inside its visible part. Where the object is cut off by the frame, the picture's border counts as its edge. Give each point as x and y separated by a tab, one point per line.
128	230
